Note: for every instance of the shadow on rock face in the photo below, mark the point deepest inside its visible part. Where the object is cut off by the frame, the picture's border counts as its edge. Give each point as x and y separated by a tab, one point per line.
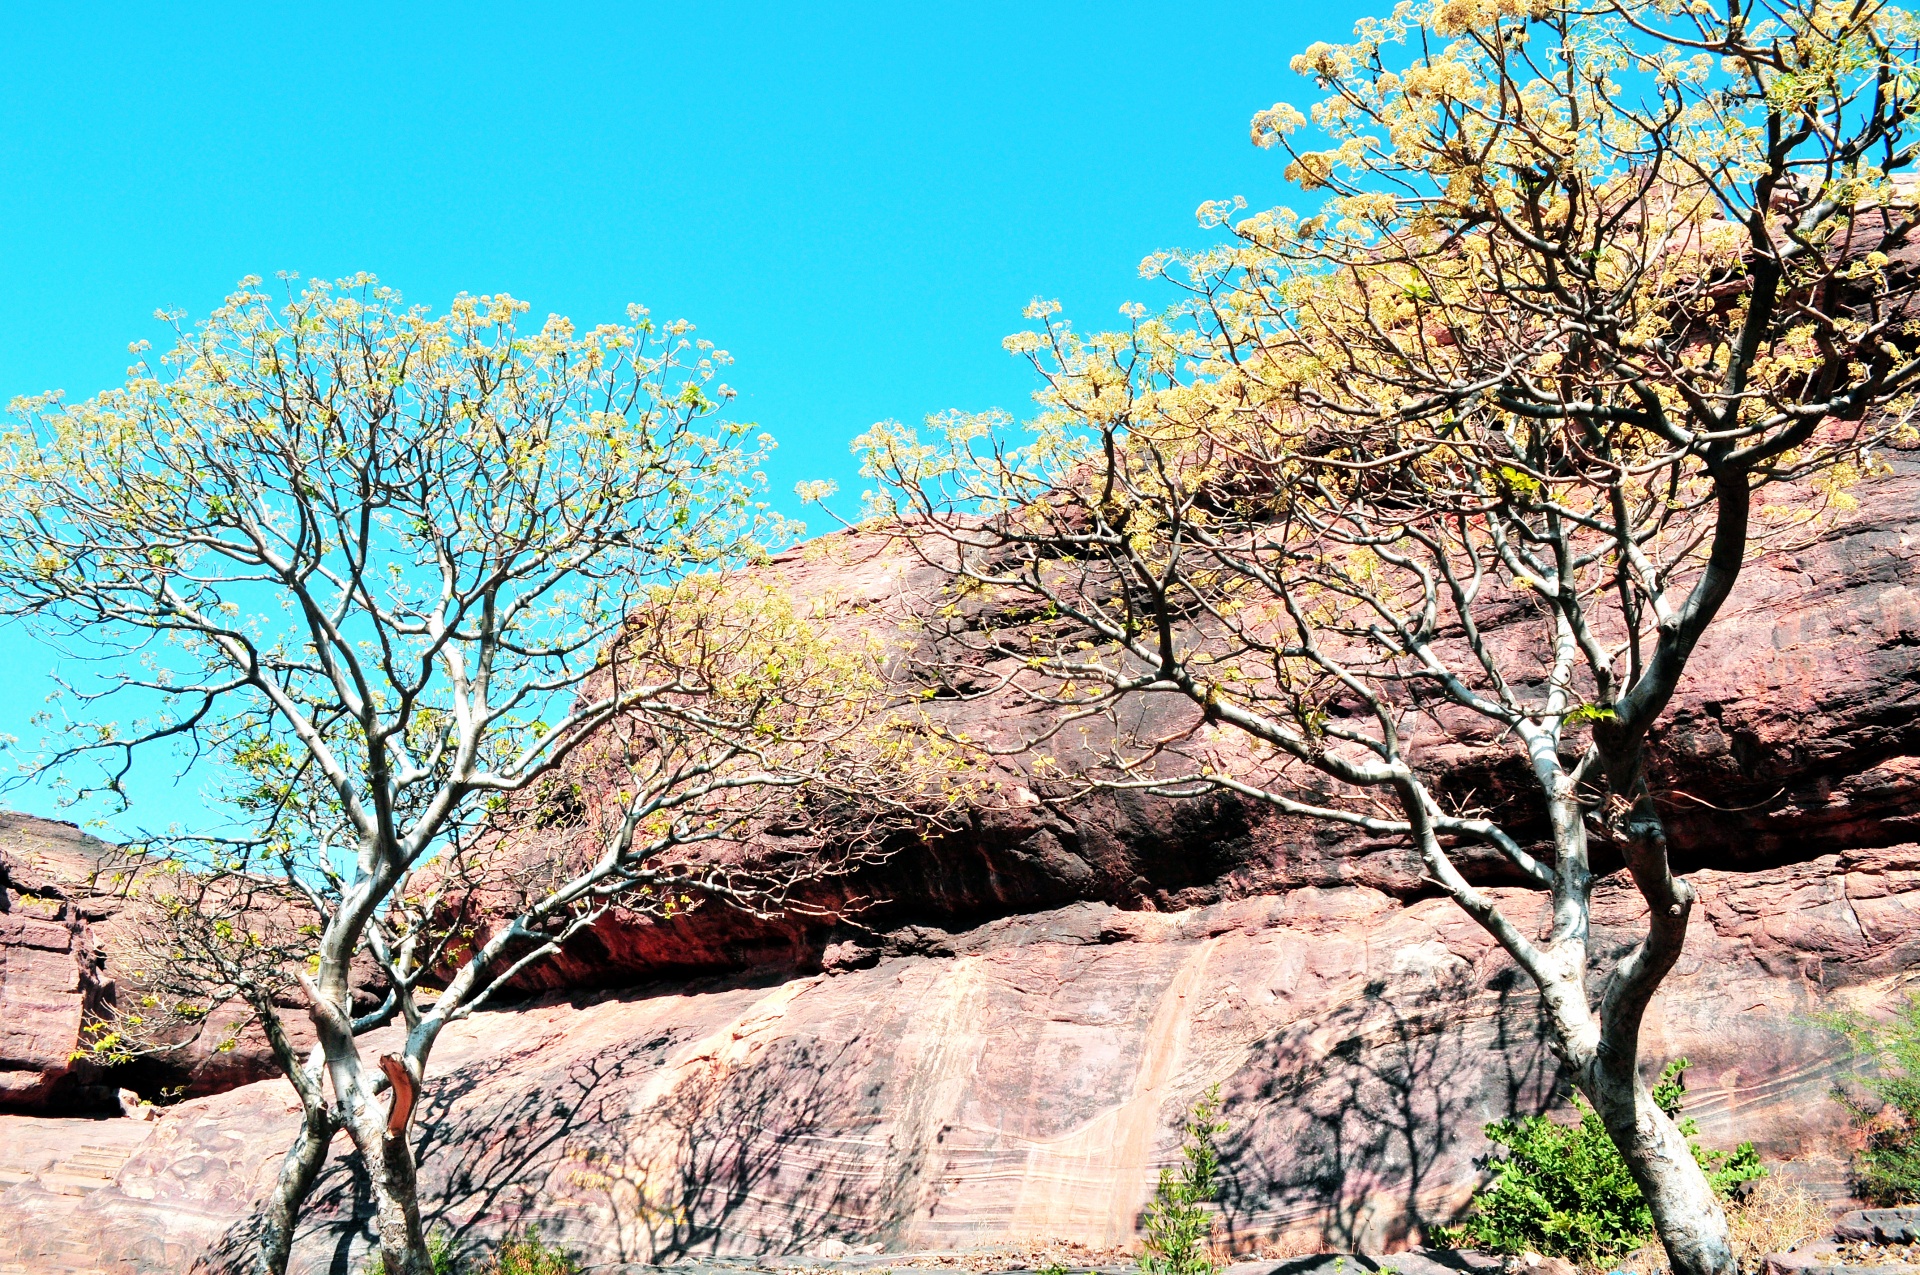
746	1161
744	1139
1343	1122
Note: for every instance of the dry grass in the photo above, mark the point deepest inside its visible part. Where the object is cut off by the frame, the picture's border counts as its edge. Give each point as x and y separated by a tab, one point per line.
1033	1257
1286	1247
1777	1214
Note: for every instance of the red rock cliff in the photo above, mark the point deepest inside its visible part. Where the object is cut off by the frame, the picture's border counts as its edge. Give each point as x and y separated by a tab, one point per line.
1002	1054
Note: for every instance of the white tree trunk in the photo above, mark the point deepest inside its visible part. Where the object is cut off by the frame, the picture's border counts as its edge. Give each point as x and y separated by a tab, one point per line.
1686	1212
298	1172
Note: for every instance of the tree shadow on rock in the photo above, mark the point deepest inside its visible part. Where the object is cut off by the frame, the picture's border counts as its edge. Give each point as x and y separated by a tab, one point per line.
484	1166
339	1212
762	1159
622	1161
1369	1137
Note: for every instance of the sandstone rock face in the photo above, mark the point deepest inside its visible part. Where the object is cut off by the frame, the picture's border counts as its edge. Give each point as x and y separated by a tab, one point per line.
59	912
41	1001
1796	733
51	971
1023	1085
1000	1052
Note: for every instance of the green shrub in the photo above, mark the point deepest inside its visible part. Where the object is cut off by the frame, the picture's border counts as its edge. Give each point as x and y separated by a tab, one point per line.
522	1254
439	1250
1887	1170
1179	1223
1563	1190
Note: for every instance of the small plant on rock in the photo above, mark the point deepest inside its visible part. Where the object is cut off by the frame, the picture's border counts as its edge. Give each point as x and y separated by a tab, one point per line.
1563	1190
1887	1170
524	1253
439	1252
1179	1221
528	1254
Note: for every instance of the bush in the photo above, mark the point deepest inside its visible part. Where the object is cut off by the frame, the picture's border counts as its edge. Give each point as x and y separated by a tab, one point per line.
528	1254
1887	1170
522	1254
1563	1190
439	1250
1179	1223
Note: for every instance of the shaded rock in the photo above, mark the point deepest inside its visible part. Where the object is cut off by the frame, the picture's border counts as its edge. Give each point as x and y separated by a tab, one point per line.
63	909
1880	1226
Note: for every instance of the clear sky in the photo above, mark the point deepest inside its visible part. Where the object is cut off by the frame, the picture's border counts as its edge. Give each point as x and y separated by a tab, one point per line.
855	200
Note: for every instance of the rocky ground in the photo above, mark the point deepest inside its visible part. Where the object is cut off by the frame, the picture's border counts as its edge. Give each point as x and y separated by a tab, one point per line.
1022	1084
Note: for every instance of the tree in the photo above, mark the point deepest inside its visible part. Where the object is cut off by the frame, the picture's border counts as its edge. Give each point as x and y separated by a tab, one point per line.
1473	455
386	566
774	767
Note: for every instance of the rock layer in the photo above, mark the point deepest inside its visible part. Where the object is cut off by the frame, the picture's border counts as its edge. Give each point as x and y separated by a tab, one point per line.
1024	1085
1796	733
60	912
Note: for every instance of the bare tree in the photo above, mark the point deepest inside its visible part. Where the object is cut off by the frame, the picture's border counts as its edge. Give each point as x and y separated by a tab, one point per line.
1474	455
774	765
391	551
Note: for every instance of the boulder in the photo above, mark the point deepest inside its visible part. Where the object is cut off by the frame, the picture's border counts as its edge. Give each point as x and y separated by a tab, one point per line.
1880	1226
1829	1258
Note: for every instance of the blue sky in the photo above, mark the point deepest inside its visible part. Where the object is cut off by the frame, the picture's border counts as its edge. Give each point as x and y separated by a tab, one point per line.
855	200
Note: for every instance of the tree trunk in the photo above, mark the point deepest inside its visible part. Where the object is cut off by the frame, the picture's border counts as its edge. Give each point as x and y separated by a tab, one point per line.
297	1175
381	1140
1686	1213
389	1160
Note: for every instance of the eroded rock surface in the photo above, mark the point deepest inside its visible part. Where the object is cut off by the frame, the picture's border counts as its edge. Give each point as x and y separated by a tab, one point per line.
52	971
1000	1053
1796	733
61	908
1023	1085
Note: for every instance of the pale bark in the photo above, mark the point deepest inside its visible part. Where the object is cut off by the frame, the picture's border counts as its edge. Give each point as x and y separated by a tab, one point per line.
1687	1216
396	1194
384	1149
1686	1213
300	1169
298	1172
